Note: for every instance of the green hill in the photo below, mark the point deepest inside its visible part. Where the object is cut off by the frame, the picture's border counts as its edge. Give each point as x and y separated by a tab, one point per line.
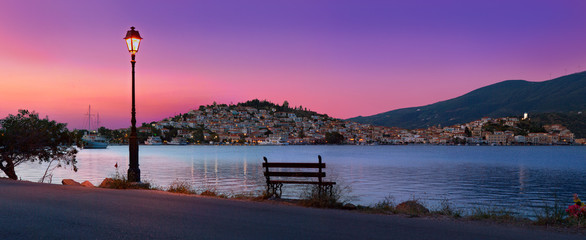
508	98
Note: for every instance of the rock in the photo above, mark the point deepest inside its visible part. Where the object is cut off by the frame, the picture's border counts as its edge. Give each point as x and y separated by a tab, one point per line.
70	182
411	207
106	183
87	184
349	206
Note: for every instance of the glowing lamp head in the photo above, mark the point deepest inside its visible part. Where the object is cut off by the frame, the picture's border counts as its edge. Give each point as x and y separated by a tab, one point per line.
132	40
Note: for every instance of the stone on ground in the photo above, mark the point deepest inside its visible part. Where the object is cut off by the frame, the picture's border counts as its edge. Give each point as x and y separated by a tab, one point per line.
106	183
411	207
87	184
70	182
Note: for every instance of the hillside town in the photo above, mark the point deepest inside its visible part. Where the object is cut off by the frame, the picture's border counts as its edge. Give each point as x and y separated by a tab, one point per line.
280	125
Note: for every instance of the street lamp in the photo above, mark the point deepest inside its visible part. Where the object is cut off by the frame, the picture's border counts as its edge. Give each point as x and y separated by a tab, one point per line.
133	41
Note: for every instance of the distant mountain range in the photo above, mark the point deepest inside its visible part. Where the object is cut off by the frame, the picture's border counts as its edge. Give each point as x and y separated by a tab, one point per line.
508	98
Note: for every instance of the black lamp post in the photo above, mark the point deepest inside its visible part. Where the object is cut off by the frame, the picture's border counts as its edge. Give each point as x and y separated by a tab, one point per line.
133	41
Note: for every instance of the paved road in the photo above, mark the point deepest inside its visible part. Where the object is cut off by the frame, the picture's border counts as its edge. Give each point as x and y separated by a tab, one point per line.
44	211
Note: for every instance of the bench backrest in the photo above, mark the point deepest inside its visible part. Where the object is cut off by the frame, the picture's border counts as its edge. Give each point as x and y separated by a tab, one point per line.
319	165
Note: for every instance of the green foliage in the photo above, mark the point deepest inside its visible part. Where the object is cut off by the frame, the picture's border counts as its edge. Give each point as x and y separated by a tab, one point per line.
301	133
493	127
530	126
334	138
574	121
113	136
25	137
468	132
198	134
266	105
214	137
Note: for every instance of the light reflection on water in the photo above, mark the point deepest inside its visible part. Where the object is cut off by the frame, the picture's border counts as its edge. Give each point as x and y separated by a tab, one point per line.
468	176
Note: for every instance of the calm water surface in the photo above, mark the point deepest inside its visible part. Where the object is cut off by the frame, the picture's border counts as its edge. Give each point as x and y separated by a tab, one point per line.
519	178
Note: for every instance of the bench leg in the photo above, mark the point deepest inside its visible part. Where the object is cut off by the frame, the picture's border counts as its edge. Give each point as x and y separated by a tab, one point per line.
275	189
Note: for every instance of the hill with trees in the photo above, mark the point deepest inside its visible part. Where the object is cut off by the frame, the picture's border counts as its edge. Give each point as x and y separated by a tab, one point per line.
562	97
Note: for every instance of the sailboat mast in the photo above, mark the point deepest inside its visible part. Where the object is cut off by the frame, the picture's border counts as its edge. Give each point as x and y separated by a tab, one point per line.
89	118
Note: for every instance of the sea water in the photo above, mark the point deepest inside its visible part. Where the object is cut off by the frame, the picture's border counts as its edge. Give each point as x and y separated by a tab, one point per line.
517	178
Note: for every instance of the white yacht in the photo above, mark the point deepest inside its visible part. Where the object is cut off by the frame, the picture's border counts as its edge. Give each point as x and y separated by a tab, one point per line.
274	141
154	140
91	139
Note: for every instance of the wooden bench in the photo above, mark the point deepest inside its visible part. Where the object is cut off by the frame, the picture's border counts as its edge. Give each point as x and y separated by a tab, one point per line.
274	186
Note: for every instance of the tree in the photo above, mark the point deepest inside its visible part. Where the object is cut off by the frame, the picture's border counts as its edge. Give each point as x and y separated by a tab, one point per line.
334	138
24	137
467	132
107	133
198	133
301	134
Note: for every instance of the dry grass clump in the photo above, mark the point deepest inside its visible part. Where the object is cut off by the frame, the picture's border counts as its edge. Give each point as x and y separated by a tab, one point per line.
387	205
254	196
209	191
494	214
120	181
447	209
180	187
317	196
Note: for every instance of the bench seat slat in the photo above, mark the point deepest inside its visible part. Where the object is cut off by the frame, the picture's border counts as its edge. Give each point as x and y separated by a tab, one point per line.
294	165
301	182
295	174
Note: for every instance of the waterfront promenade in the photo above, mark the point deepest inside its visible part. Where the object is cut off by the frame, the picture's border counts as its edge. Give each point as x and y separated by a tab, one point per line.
45	211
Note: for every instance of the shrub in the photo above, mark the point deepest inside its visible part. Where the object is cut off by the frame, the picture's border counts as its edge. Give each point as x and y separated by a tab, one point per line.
316	196
180	187
120	181
386	205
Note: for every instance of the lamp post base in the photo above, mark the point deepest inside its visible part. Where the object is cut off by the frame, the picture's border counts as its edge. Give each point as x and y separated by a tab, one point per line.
134	175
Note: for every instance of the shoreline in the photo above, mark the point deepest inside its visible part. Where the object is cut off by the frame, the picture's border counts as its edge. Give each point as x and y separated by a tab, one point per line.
58	201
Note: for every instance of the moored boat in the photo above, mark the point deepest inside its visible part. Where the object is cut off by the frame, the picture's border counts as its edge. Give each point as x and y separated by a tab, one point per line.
153	140
91	139
94	141
274	141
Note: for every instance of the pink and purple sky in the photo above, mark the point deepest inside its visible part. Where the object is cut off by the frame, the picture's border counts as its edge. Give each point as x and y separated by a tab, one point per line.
342	58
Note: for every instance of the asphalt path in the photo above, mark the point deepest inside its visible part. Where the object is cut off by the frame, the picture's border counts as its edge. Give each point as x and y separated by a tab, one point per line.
47	211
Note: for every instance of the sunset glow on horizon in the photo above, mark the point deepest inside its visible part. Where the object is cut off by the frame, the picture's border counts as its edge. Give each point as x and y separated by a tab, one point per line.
341	58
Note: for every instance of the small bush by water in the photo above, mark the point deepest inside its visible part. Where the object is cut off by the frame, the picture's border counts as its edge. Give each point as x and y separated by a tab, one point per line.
121	182
180	187
446	208
317	196
497	214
